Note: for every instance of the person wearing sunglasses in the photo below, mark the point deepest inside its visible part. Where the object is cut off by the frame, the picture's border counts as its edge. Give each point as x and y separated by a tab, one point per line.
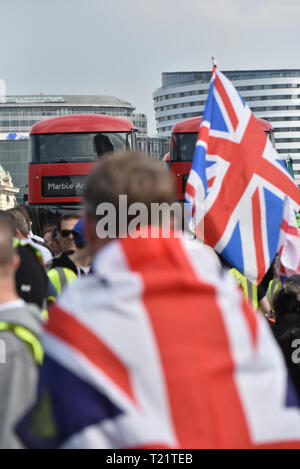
69	264
65	235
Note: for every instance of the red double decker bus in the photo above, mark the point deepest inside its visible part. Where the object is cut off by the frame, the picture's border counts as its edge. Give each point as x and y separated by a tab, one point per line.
63	151
182	146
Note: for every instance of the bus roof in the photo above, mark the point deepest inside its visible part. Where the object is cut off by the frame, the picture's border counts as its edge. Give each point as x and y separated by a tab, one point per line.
192	125
82	123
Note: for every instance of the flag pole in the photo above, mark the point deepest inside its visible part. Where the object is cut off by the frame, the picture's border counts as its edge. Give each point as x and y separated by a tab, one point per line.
214	62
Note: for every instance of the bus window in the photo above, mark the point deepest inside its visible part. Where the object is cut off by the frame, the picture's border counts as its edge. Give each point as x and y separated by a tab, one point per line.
64	150
183	146
76	147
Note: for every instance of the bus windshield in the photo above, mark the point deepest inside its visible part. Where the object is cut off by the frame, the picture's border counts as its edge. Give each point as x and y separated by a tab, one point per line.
183	146
77	147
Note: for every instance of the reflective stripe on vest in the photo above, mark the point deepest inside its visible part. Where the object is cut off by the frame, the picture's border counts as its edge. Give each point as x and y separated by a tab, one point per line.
272	288
249	289
45	314
26	336
61	276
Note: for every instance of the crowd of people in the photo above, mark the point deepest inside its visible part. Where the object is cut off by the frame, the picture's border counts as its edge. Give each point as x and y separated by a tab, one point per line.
147	319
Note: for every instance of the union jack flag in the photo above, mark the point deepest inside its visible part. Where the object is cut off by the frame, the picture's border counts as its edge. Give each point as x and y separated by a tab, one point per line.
157	348
237	184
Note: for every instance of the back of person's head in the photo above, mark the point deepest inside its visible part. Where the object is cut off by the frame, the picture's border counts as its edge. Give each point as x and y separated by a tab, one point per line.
48	229
6	217
21	263
286	302
22	227
6	243
9	260
141	179
23	210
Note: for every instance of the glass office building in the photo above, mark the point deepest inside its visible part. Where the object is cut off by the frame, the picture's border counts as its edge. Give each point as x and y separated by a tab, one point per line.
273	95
14	157
19	113
155	147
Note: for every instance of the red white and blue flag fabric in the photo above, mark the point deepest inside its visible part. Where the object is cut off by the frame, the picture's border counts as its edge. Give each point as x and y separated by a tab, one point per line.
157	348
238	185
289	243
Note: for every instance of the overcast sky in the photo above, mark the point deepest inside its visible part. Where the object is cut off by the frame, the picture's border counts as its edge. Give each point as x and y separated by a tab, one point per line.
121	47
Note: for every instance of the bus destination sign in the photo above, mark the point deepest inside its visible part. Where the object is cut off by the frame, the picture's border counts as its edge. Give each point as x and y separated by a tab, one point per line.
63	186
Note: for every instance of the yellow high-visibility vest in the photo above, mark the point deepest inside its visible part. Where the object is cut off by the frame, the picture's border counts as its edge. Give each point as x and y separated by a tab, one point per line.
249	289
26	336
272	288
60	277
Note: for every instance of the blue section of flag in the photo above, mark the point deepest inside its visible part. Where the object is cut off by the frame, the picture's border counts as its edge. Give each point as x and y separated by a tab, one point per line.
199	165
218	122
242	99
292	399
238	153
66	404
274	214
208	164
209	103
282	163
233	252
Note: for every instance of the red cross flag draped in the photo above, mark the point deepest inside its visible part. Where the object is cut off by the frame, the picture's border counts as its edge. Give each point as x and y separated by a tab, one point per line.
239	188
157	348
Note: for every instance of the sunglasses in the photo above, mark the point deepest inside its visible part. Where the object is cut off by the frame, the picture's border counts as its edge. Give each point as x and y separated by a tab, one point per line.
66	233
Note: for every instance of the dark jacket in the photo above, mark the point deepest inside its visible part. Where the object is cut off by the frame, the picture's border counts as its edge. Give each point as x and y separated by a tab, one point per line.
287	333
31	278
63	260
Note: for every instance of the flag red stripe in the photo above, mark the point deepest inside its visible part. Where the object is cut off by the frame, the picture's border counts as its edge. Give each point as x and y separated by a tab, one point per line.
231	192
233	185
251	318
228	105
203	133
189	189
279	445
211	181
193	346
259	248
77	335
292	230
276	445
238	177
281	180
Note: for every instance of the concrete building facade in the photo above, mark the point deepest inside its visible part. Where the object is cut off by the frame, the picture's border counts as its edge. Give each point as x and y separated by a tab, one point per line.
8	191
